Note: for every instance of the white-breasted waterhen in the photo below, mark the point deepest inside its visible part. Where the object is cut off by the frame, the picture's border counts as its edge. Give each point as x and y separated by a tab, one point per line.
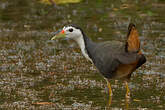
114	61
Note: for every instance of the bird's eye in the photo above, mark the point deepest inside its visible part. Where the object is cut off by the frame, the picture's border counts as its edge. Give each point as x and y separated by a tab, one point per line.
70	30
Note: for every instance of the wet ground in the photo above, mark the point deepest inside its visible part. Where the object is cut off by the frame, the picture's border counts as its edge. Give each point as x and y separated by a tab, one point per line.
37	73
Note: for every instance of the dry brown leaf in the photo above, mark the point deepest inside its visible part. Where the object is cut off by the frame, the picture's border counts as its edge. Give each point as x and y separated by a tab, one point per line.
42	103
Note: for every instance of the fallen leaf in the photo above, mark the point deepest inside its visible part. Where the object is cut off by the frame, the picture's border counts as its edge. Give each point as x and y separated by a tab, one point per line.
59	1
42	103
136	100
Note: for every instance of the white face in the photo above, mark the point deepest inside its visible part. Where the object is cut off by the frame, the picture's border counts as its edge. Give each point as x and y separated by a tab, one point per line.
72	32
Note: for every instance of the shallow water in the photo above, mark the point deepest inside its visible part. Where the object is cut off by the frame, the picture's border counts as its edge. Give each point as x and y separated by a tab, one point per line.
37	73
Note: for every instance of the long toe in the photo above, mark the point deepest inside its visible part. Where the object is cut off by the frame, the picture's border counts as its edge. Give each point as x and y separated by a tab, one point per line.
127	95
110	92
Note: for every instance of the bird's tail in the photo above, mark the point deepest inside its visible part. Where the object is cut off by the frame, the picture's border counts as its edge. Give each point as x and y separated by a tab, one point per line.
133	42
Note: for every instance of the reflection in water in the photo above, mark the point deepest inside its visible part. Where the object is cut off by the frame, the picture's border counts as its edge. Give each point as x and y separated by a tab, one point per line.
109	101
127	102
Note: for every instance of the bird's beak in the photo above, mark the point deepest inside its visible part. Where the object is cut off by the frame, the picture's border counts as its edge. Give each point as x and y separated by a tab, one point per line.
58	34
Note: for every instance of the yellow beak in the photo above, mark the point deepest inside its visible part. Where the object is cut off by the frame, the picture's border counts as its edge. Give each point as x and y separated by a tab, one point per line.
58	34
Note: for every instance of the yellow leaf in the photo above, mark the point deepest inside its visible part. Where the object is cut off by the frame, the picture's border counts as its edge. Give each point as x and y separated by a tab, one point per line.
42	103
59	1
136	100
115	9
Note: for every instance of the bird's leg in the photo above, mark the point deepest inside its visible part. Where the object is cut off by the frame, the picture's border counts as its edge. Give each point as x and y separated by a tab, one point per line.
109	87
127	102
110	101
127	90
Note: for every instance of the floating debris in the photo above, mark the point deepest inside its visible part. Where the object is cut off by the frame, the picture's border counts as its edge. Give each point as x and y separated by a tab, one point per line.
60	1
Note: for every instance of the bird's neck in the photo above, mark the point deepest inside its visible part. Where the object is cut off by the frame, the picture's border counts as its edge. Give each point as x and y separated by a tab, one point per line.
84	43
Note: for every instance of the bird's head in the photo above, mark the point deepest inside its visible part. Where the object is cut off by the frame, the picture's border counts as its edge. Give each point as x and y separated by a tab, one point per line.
70	32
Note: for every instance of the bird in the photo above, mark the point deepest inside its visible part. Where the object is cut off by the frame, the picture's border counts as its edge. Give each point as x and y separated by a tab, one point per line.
113	59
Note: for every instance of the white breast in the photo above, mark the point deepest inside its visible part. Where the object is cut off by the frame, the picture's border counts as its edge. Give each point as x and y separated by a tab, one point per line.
81	43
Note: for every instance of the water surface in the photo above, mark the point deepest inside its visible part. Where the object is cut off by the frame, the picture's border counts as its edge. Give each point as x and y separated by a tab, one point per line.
37	73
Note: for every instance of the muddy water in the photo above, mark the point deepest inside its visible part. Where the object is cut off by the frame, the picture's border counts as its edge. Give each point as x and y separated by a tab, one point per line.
37	73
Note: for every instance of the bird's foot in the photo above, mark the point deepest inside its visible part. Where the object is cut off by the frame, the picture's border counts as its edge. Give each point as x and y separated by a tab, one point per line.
110	93
127	95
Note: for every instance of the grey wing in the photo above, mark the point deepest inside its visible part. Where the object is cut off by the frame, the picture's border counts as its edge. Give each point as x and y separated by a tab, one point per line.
108	57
